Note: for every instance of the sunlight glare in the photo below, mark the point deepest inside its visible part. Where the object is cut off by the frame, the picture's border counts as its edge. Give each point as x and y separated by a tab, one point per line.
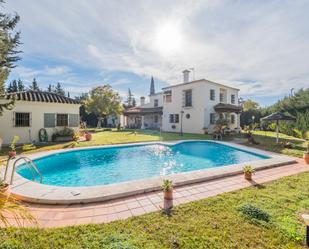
168	38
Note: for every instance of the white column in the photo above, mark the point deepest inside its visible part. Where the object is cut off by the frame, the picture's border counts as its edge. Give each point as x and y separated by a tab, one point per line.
143	126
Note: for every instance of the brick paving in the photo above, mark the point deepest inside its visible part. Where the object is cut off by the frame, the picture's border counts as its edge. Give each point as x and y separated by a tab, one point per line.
103	212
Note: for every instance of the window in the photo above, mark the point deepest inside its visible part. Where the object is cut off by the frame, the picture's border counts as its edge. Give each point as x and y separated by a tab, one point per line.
187	115
188	98
62	120
22	119
221	97
156	103
233	98
168	98
232	119
156	119
176	118
212	94
212	118
171	118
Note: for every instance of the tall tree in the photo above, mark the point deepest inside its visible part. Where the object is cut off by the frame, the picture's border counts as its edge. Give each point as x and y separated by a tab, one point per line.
249	104
20	85
34	85
133	102
50	88
9	41
59	90
14	86
103	101
129	98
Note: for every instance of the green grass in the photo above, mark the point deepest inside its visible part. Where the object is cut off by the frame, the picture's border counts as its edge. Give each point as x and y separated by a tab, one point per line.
108	137
267	141
215	222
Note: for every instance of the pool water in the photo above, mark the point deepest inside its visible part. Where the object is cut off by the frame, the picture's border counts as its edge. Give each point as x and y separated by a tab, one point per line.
99	166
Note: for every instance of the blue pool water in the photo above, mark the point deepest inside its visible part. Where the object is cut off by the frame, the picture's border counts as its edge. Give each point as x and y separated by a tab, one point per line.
101	166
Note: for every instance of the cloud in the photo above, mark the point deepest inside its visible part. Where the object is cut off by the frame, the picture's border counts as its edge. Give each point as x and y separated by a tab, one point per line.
258	46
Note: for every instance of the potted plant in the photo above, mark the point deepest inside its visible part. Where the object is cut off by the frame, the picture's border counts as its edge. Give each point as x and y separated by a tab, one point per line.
306	155
3	186
167	188
12	152
248	171
88	136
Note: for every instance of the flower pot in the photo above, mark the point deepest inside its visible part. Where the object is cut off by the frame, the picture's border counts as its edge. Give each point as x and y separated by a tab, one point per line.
12	153
248	176
88	137
168	195
306	158
4	188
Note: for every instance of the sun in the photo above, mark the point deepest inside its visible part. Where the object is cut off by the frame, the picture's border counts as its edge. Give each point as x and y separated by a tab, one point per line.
168	38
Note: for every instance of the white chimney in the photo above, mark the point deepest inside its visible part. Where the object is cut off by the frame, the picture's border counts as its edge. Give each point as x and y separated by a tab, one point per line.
185	76
142	100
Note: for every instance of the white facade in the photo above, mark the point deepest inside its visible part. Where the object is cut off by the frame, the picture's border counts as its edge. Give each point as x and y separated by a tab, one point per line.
36	110
190	107
196	118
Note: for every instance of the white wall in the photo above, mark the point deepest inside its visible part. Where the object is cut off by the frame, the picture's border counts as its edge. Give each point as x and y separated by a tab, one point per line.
201	108
37	110
150	104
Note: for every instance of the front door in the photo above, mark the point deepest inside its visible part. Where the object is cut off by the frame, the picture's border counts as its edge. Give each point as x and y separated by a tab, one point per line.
138	122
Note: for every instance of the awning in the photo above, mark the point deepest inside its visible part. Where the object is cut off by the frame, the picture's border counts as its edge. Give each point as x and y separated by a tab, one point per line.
227	108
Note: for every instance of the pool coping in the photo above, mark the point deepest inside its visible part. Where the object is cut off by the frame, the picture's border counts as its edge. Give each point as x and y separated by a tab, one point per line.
34	192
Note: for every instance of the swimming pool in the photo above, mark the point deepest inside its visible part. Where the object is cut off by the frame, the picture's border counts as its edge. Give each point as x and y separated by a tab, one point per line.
102	166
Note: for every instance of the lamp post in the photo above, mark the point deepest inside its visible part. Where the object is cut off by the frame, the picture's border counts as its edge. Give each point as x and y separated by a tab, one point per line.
181	116
253	118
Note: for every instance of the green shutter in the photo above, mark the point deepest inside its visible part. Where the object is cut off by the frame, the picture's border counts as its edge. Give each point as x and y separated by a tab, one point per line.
49	120
73	120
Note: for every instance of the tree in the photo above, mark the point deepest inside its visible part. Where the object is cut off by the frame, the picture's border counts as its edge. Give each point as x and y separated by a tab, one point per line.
14	86
34	86
129	98
249	104
59	90
20	85
9	41
133	102
50	88
103	101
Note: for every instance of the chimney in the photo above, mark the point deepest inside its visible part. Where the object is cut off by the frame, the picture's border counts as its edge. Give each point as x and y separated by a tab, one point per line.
142	100
185	76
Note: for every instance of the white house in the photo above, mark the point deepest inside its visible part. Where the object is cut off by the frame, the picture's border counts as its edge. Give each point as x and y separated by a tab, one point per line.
36	110
189	107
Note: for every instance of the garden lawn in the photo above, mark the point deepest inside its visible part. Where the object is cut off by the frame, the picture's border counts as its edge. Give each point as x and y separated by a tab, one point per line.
108	137
209	223
267	141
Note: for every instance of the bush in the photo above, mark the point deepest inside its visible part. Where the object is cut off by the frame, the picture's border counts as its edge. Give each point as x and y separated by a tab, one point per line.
253	213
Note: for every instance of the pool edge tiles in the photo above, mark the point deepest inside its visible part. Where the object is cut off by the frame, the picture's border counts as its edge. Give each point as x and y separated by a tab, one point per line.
39	193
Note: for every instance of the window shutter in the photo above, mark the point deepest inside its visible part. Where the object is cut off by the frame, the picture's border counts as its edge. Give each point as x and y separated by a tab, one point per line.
49	120
73	120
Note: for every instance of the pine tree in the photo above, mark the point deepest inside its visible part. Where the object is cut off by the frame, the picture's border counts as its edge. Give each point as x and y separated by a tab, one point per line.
59	90
14	86
50	88
20	85
9	89
9	41
35	86
68	94
133	102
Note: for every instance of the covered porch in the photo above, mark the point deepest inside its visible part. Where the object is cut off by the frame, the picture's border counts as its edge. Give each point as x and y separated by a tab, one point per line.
143	118
230	113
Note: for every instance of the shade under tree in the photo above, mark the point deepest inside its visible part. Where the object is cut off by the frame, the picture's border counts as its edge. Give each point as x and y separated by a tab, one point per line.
276	117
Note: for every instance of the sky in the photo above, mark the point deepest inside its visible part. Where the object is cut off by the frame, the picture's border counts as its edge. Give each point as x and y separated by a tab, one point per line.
259	46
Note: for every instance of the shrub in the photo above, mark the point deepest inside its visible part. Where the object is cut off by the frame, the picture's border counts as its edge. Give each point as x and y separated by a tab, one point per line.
167	185
253	213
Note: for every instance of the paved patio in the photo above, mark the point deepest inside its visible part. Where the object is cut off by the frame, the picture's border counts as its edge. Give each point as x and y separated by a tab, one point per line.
102	212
